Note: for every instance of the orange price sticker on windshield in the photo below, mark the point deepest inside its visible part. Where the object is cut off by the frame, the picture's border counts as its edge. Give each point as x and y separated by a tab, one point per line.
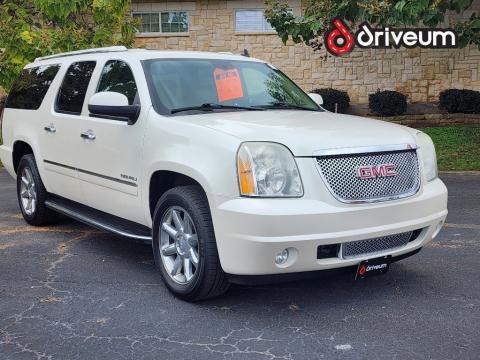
228	84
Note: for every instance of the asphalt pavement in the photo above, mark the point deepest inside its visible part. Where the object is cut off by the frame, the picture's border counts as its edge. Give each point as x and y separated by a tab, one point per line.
72	292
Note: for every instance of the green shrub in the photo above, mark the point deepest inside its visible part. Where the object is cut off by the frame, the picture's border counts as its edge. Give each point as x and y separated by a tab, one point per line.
333	96
460	101
387	103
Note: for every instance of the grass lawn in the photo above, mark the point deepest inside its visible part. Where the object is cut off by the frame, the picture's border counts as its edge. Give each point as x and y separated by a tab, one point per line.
458	147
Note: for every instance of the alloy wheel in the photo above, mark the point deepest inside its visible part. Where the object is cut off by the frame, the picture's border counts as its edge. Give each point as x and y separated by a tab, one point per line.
28	194
179	245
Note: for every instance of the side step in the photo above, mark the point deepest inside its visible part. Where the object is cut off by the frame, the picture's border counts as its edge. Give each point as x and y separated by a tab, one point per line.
99	219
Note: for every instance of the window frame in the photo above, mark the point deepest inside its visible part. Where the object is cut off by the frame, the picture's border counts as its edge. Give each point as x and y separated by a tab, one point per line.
55	104
162	110
99	79
11	93
160	32
265	22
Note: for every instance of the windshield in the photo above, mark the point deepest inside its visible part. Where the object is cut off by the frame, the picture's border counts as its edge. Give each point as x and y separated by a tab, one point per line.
190	86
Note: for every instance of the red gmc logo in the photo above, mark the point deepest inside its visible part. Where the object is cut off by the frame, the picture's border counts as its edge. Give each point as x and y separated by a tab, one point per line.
376	171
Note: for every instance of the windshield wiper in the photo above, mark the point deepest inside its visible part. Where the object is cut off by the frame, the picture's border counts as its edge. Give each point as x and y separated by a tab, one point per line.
212	106
282	105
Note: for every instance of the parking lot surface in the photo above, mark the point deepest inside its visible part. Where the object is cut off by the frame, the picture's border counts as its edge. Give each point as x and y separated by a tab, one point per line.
71	292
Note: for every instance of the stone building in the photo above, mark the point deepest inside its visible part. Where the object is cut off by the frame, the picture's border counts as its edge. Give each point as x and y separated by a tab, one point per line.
235	25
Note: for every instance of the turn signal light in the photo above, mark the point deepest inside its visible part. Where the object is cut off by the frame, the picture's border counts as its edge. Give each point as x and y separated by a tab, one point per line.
245	175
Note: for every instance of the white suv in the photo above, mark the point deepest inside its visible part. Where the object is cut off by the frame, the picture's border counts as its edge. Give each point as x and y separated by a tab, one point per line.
221	161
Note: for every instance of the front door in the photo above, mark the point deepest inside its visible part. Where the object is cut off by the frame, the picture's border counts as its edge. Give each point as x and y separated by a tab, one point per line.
110	166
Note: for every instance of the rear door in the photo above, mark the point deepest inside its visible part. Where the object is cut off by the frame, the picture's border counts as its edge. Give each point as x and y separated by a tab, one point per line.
110	165
25	109
61	143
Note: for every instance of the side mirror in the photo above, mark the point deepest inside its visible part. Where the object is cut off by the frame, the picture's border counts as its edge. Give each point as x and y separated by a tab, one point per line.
113	105
317	98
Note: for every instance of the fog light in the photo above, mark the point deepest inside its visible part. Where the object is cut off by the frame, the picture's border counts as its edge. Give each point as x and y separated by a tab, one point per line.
282	257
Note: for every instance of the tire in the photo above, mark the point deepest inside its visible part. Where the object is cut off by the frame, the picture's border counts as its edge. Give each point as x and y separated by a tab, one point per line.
38	214
207	279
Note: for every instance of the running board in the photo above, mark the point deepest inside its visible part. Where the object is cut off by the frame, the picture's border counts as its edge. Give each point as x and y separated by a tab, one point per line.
99	219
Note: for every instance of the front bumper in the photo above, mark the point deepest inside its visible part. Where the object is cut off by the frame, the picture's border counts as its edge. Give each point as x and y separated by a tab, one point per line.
250	232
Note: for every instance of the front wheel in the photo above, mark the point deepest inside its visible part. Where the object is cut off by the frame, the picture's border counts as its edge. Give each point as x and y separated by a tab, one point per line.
184	245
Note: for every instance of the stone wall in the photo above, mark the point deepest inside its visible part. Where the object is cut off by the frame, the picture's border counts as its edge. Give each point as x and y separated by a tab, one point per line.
419	73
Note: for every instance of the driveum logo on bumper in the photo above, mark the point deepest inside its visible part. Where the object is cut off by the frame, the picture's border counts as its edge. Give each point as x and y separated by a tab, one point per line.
339	39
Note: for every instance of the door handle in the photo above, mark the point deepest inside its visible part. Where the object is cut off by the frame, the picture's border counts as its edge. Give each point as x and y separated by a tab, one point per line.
89	135
50	128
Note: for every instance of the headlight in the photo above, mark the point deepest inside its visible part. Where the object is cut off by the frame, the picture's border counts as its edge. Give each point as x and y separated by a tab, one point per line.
428	156
267	170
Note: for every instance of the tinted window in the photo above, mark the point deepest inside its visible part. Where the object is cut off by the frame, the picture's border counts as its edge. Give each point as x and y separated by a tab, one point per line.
31	86
75	84
118	77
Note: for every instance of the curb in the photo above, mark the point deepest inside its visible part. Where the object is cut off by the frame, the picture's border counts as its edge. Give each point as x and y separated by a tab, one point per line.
466	172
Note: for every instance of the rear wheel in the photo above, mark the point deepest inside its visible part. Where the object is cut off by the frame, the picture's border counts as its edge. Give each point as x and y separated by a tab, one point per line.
184	245
31	193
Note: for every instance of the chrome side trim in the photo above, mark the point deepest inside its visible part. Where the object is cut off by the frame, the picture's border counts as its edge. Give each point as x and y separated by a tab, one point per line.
363	149
91	173
93	222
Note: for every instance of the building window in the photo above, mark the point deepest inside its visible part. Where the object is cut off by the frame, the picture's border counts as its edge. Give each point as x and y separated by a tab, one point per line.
174	21
162	22
251	21
148	22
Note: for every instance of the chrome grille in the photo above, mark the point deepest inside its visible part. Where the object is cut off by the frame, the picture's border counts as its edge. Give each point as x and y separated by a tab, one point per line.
340	175
370	246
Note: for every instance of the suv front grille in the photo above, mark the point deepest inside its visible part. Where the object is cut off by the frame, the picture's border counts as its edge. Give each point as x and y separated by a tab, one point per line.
339	173
370	246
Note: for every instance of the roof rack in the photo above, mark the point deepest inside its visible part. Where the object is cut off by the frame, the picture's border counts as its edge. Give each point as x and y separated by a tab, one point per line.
81	52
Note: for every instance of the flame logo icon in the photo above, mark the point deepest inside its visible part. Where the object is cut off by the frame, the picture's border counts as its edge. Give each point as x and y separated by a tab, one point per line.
339	40
362	270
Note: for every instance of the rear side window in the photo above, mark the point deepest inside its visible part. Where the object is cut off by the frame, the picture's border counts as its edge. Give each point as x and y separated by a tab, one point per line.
74	87
118	77
31	86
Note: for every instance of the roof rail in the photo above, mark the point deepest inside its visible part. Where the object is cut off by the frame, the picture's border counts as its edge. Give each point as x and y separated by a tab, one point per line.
81	52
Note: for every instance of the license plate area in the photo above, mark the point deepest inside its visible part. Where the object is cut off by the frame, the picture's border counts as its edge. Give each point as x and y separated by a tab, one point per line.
373	267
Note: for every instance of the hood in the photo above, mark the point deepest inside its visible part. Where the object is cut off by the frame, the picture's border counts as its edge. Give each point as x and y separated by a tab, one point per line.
305	132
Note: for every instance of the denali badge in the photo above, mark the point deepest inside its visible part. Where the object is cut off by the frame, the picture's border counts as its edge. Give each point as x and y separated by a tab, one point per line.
376	171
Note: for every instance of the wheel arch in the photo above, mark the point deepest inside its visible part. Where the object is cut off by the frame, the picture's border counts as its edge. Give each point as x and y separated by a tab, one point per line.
19	149
160	181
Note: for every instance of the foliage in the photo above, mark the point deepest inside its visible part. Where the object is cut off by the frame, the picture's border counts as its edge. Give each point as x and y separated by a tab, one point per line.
458	147
3	99
333	96
387	103
460	101
318	15
33	28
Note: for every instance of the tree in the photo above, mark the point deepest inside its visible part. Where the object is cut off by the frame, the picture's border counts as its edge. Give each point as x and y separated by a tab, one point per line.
33	28
318	15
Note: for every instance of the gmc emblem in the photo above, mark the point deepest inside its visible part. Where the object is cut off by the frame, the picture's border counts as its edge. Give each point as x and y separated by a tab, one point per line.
376	171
